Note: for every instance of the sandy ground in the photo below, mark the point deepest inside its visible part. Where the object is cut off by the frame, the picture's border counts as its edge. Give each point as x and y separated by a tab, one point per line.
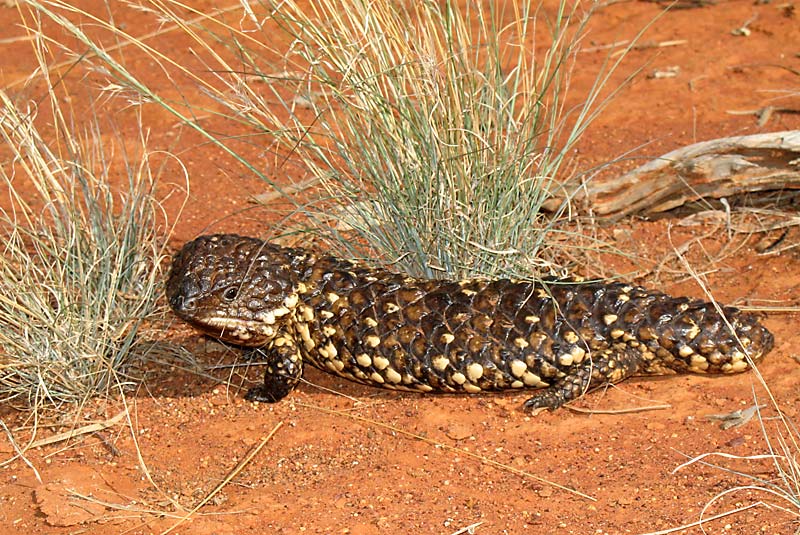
357	460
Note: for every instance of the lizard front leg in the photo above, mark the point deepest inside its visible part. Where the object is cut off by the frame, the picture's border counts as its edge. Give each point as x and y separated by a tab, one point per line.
284	368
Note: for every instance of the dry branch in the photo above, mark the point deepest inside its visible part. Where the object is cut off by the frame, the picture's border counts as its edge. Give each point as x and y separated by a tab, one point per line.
711	169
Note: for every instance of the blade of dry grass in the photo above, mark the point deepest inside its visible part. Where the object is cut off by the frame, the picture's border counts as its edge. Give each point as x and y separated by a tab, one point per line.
20	452
56	67
700	523
472	528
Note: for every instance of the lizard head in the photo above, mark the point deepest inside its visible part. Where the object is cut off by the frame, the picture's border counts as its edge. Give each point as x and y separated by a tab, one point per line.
234	288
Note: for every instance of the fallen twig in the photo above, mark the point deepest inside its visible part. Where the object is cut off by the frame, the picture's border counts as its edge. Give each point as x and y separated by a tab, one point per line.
85	430
618	411
467	529
717	168
651	44
763	114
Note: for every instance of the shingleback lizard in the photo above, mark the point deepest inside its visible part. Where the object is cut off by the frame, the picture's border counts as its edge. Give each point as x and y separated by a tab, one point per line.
383	329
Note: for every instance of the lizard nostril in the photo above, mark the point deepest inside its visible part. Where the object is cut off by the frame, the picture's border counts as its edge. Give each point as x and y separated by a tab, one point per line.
188	303
181	303
183	295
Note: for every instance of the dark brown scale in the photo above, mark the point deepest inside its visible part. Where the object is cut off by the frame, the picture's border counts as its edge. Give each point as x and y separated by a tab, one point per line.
380	328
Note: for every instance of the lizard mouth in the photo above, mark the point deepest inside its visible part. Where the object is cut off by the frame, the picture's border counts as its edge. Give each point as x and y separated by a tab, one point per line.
242	332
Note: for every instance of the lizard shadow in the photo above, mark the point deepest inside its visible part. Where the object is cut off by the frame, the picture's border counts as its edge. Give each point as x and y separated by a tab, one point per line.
192	365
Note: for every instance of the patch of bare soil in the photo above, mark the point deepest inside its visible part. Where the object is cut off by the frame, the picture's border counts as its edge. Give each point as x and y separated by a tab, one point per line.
350	459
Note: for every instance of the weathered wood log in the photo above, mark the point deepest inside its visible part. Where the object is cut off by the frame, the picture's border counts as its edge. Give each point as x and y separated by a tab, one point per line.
712	169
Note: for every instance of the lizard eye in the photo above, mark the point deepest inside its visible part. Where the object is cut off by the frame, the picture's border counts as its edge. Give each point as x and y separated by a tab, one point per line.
230	293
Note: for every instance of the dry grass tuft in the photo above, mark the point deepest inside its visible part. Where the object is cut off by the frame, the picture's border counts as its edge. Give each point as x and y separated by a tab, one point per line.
80	270
438	134
441	134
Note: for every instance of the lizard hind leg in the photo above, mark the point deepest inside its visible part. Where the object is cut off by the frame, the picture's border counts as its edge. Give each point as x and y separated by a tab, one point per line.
608	366
284	368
